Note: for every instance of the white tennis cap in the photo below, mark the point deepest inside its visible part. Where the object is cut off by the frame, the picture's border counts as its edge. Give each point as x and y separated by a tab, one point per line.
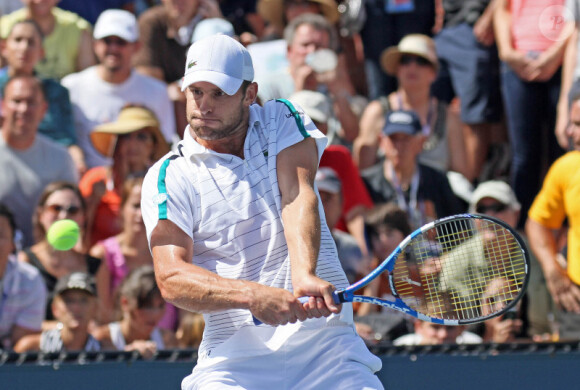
219	60
117	22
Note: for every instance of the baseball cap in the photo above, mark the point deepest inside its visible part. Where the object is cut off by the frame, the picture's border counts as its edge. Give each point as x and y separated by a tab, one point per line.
76	281
327	180
402	121
416	44
219	60
496	189
117	22
212	26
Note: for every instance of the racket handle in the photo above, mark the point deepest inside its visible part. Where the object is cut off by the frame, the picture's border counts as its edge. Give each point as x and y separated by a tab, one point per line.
301	300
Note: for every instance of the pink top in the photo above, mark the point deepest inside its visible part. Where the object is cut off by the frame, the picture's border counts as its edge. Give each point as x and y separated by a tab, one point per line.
536	24
119	270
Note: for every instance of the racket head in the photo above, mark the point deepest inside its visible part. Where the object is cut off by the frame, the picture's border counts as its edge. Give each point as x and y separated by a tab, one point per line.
462	269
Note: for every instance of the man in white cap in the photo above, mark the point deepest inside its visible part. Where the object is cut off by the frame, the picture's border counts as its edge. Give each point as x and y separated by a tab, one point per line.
233	221
98	93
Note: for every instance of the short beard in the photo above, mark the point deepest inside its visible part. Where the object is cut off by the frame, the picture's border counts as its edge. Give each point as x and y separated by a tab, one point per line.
223	132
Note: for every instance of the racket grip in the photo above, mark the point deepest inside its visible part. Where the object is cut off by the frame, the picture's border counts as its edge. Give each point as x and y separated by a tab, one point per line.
301	300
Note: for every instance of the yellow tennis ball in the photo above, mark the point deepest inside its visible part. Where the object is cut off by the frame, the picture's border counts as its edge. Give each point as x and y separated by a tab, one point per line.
63	234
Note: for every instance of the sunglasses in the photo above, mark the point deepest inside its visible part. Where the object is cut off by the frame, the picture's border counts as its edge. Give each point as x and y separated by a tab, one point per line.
494	208
140	136
56	209
115	41
407	59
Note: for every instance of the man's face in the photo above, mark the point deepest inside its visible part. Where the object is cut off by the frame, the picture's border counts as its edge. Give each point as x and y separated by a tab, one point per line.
401	149
306	40
74	308
115	53
574	128
23	108
23	48
181	11
213	114
435	334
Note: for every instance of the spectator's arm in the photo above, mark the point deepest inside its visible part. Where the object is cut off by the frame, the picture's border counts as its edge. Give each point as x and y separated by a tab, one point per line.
365	146
86	56
568	66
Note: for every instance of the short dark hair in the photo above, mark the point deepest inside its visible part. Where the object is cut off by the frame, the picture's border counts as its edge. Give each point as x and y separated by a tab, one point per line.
389	215
140	285
7	213
35	80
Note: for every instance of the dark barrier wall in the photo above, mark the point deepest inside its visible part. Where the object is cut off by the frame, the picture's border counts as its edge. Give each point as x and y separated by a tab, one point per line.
530	367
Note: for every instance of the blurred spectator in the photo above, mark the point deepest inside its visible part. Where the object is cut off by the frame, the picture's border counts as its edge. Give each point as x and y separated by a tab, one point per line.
91	9
496	199
8	6
113	83
211	26
355	197
247	23
556	202
142	307
134	141
423	192
74	307
570	76
22	50
67	37
386	225
190	330
23	293
351	258
428	333
29	161
166	32
414	62
59	200
125	252
531	46
469	69
314	65
387	22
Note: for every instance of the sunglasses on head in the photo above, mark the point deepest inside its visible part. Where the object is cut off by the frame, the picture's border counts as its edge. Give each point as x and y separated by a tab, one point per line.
56	209
406	59
494	208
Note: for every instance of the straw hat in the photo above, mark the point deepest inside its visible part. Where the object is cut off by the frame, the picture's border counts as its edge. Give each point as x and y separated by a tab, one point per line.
273	10
416	44
131	119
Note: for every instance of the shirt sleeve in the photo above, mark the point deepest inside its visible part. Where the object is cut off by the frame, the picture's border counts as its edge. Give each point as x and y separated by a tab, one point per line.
168	195
33	300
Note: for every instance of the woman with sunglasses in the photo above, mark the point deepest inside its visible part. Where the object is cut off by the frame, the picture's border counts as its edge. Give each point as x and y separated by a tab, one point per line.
414	63
60	200
133	142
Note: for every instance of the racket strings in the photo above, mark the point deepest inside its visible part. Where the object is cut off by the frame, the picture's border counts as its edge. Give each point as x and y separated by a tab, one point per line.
460	270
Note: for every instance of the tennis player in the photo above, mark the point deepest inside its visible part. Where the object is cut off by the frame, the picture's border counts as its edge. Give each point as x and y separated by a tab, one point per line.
235	228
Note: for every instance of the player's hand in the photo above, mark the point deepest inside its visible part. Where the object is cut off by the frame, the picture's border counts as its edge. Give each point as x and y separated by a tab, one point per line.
321	303
276	306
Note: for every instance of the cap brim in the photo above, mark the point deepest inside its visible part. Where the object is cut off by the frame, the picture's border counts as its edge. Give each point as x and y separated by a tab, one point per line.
104	137
228	84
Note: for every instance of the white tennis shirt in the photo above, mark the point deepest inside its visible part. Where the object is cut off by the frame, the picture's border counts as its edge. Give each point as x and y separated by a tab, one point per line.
230	207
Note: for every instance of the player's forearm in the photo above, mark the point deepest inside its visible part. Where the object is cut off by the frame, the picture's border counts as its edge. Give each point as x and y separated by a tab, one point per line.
302	231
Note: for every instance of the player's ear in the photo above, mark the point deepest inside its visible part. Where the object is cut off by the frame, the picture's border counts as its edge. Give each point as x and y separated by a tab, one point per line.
251	94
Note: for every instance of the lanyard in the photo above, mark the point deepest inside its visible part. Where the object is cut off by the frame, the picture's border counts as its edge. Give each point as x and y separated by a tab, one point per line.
412	207
430	113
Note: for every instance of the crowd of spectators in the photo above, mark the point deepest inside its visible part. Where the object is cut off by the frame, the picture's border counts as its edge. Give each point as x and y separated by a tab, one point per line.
431	108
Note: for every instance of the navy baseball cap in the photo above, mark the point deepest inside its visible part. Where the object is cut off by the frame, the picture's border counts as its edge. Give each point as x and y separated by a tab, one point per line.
406	122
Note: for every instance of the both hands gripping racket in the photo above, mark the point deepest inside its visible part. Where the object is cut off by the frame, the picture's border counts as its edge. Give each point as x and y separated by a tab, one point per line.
457	270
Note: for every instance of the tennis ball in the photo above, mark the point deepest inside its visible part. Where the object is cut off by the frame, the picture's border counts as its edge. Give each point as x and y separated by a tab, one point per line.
63	234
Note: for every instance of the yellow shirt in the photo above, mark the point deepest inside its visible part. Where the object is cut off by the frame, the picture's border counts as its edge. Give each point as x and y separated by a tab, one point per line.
61	47
558	199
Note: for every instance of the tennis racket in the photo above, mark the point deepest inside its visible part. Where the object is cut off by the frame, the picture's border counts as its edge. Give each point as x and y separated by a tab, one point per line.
461	269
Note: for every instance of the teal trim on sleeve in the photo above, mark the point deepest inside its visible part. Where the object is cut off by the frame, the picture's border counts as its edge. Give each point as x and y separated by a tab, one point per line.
162	190
296	116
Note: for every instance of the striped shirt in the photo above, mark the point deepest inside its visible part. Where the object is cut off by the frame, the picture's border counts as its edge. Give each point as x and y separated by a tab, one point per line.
23	299
51	341
230	207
